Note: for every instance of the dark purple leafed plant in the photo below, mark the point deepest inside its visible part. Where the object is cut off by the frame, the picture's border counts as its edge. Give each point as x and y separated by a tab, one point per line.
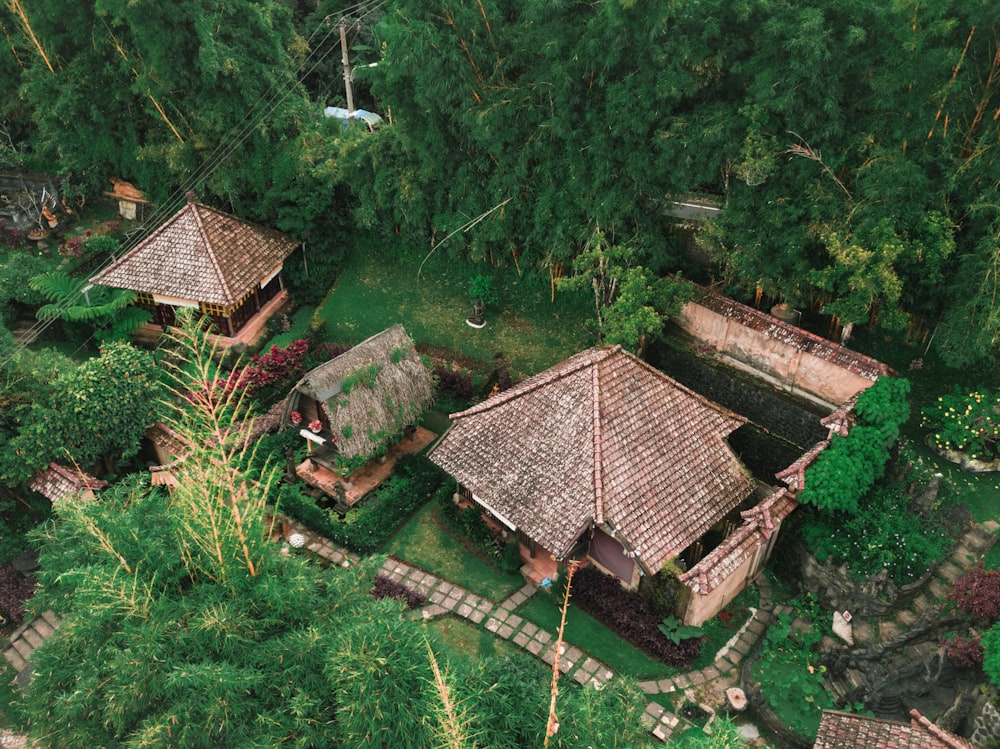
15	589
623	612
456	384
386	587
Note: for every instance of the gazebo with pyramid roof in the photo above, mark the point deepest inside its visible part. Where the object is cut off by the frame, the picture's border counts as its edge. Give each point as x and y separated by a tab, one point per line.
207	260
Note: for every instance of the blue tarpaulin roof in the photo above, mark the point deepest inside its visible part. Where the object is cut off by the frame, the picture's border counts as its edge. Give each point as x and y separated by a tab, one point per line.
371	119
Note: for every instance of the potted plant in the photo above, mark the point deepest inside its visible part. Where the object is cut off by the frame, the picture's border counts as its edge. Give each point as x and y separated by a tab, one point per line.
296	417
315	426
482	292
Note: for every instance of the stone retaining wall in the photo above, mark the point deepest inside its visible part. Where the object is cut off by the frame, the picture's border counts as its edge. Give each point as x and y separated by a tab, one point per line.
834	586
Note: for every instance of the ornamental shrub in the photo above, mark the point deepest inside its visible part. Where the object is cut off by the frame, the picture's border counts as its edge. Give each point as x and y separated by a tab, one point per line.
991	654
885	535
977	593
623	613
966	421
455	384
850	466
965	652
386	587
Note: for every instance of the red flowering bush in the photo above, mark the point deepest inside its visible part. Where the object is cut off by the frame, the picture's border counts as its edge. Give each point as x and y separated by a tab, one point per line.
275	366
978	594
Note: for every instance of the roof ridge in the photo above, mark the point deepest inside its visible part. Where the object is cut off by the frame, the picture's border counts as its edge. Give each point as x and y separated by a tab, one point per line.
598	450
920	721
223	283
588	358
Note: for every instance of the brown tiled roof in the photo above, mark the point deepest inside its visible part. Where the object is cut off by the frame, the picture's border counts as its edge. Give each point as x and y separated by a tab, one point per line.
758	525
795	475
200	254
839	730
605	438
56	482
790	335
165	437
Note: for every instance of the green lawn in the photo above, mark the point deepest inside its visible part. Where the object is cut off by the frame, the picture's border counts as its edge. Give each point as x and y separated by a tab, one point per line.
427	544
300	325
590	635
457	637
380	287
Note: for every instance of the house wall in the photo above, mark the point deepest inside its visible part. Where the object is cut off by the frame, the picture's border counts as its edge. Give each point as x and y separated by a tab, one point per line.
697	609
782	354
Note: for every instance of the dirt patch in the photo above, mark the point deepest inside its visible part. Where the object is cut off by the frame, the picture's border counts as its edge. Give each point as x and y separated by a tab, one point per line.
449	357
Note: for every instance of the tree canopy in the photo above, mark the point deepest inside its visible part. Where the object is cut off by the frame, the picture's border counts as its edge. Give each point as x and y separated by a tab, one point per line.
852	146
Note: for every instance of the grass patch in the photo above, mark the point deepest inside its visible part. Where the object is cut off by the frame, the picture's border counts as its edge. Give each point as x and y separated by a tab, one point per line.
299	327
590	635
721	628
379	287
457	637
427	544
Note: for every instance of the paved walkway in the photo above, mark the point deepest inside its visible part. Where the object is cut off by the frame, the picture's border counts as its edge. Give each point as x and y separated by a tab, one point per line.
446	598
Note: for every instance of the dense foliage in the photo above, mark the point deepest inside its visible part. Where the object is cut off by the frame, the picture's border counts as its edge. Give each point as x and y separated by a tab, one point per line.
885	536
788	668
184	625
97	410
844	473
966	421
624	613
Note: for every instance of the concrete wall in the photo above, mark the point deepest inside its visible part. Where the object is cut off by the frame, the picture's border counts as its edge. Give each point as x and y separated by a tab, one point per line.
701	608
792	359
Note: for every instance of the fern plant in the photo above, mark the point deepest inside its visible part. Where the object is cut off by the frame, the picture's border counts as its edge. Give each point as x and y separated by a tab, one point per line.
109	311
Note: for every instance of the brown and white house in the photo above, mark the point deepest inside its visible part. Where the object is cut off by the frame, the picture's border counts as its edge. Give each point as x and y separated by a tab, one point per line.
603	455
207	260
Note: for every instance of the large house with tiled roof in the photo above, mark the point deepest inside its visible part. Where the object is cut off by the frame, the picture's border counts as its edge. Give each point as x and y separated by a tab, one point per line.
840	730
204	259
605	455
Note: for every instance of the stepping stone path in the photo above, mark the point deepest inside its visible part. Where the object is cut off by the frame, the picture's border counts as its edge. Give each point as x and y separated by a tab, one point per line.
445	598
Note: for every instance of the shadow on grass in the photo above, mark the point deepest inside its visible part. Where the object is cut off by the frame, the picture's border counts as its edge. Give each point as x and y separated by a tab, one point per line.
425	543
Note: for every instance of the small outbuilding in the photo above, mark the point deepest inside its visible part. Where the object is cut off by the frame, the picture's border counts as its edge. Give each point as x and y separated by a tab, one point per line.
204	259
357	404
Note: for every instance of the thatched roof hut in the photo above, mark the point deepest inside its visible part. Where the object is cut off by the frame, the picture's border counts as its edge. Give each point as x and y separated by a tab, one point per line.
366	397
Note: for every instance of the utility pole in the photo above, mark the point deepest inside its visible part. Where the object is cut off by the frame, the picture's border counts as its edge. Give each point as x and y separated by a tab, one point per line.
347	66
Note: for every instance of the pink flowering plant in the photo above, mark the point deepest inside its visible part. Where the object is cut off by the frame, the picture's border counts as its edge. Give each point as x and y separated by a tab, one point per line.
316	425
966	421
296	417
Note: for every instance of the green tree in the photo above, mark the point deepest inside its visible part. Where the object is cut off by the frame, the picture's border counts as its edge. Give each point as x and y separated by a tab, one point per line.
97	410
844	473
631	305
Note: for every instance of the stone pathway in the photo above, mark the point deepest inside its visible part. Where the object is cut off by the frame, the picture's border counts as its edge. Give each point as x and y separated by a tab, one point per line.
446	598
